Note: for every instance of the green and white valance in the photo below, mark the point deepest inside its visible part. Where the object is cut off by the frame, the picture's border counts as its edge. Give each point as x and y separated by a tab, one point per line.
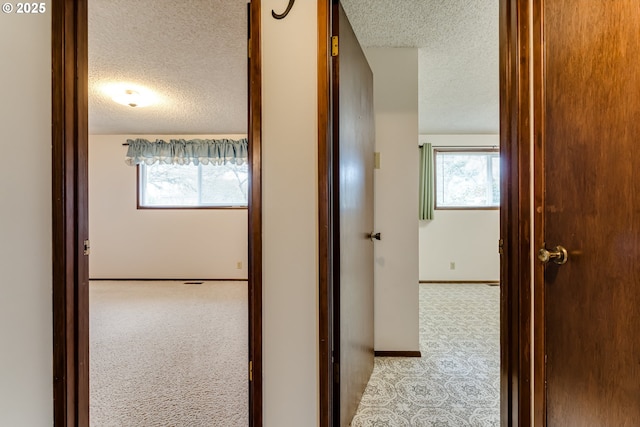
184	152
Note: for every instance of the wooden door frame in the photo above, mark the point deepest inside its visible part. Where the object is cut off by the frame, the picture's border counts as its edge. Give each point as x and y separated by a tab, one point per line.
326	233
255	216
70	215
515	215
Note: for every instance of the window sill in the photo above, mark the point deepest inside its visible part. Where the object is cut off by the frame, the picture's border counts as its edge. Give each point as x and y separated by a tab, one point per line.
181	208
468	208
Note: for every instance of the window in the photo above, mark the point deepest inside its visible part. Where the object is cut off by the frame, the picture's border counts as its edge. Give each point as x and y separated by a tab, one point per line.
193	186
467	179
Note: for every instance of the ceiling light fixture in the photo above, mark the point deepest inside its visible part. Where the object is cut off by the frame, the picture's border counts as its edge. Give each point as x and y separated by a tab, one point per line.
130	95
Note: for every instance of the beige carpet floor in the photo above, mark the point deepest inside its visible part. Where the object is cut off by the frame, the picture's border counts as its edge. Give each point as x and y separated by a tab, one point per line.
168	354
456	382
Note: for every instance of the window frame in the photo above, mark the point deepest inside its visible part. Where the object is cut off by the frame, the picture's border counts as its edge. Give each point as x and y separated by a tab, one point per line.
140	206
435	177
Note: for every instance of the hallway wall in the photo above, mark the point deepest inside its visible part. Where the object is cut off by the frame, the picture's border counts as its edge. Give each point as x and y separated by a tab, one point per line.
290	214
26	391
395	82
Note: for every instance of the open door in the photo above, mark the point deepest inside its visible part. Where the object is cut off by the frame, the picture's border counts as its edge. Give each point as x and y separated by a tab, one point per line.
353	144
587	203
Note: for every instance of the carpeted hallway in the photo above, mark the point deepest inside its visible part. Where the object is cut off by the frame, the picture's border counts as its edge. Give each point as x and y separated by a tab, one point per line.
456	382
168	354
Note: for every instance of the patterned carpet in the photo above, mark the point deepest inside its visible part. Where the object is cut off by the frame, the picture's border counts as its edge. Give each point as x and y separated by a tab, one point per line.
168	354
456	382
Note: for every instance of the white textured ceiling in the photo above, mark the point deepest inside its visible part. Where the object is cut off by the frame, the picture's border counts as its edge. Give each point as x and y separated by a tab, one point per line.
192	53
458	56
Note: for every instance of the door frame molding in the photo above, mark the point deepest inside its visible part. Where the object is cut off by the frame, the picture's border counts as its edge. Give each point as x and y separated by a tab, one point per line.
326	233
516	213
69	213
255	215
70	275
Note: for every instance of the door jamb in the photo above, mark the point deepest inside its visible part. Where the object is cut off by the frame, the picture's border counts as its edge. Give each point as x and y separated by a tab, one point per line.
516	213
255	216
69	213
327	406
70	219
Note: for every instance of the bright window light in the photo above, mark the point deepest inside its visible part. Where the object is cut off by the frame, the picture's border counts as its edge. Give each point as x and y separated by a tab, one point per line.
467	179
184	186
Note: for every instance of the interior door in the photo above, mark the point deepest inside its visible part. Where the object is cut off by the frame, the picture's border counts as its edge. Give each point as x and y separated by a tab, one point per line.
590	135
353	215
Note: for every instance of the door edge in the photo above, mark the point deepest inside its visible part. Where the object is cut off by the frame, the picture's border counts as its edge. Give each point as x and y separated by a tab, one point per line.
256	401
326	236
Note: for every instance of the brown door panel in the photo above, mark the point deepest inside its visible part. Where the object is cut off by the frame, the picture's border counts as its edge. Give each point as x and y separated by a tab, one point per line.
591	129
353	192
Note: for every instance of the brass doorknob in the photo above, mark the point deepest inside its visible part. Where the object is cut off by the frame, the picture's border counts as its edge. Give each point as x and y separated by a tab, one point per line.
558	255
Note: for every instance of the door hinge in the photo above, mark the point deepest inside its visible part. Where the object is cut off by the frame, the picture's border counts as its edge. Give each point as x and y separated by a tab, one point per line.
249	49
250	371
501	246
334	46
87	248
336	373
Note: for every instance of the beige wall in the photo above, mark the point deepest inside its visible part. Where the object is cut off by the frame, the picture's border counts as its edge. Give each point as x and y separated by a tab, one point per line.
26	394
469	238
156	243
395	82
290	242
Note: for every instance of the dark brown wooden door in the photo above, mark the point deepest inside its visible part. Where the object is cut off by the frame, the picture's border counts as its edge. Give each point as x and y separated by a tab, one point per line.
353	215
591	140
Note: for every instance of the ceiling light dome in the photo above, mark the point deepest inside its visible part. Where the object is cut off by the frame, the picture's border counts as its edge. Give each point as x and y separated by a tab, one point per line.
132	98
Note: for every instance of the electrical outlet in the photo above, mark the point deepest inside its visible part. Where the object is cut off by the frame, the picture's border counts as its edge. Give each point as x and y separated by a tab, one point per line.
239	265
452	265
